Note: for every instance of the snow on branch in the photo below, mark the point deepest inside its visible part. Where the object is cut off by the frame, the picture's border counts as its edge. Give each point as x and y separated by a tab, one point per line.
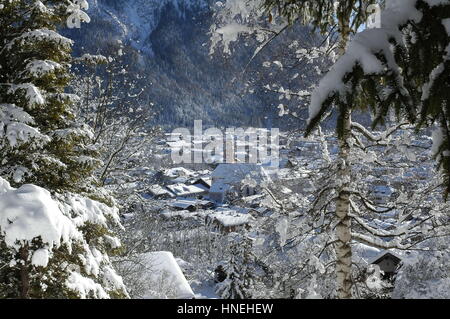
32	93
14	127
39	68
37	216
39	35
235	18
377	138
377	242
77	15
364	51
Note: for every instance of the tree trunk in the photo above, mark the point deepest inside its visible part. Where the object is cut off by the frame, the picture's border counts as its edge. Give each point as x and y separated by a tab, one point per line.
343	229
24	276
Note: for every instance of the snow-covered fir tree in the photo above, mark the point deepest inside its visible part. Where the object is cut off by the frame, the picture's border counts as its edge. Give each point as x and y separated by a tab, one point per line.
56	243
239	282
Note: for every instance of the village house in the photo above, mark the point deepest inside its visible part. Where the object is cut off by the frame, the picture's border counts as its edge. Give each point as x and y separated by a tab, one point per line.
228	221
159	192
388	263
227	177
183	205
183	190
191	204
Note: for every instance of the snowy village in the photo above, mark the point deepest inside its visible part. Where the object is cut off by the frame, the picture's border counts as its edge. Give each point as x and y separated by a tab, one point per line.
233	149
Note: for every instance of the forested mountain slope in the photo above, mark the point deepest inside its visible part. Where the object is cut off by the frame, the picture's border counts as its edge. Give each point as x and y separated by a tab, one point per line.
167	42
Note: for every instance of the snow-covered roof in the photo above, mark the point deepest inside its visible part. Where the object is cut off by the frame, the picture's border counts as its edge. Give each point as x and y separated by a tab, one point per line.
382	255
157	190
230	218
164	266
183	204
182	214
179	172
186	203
179	180
205	188
185	190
